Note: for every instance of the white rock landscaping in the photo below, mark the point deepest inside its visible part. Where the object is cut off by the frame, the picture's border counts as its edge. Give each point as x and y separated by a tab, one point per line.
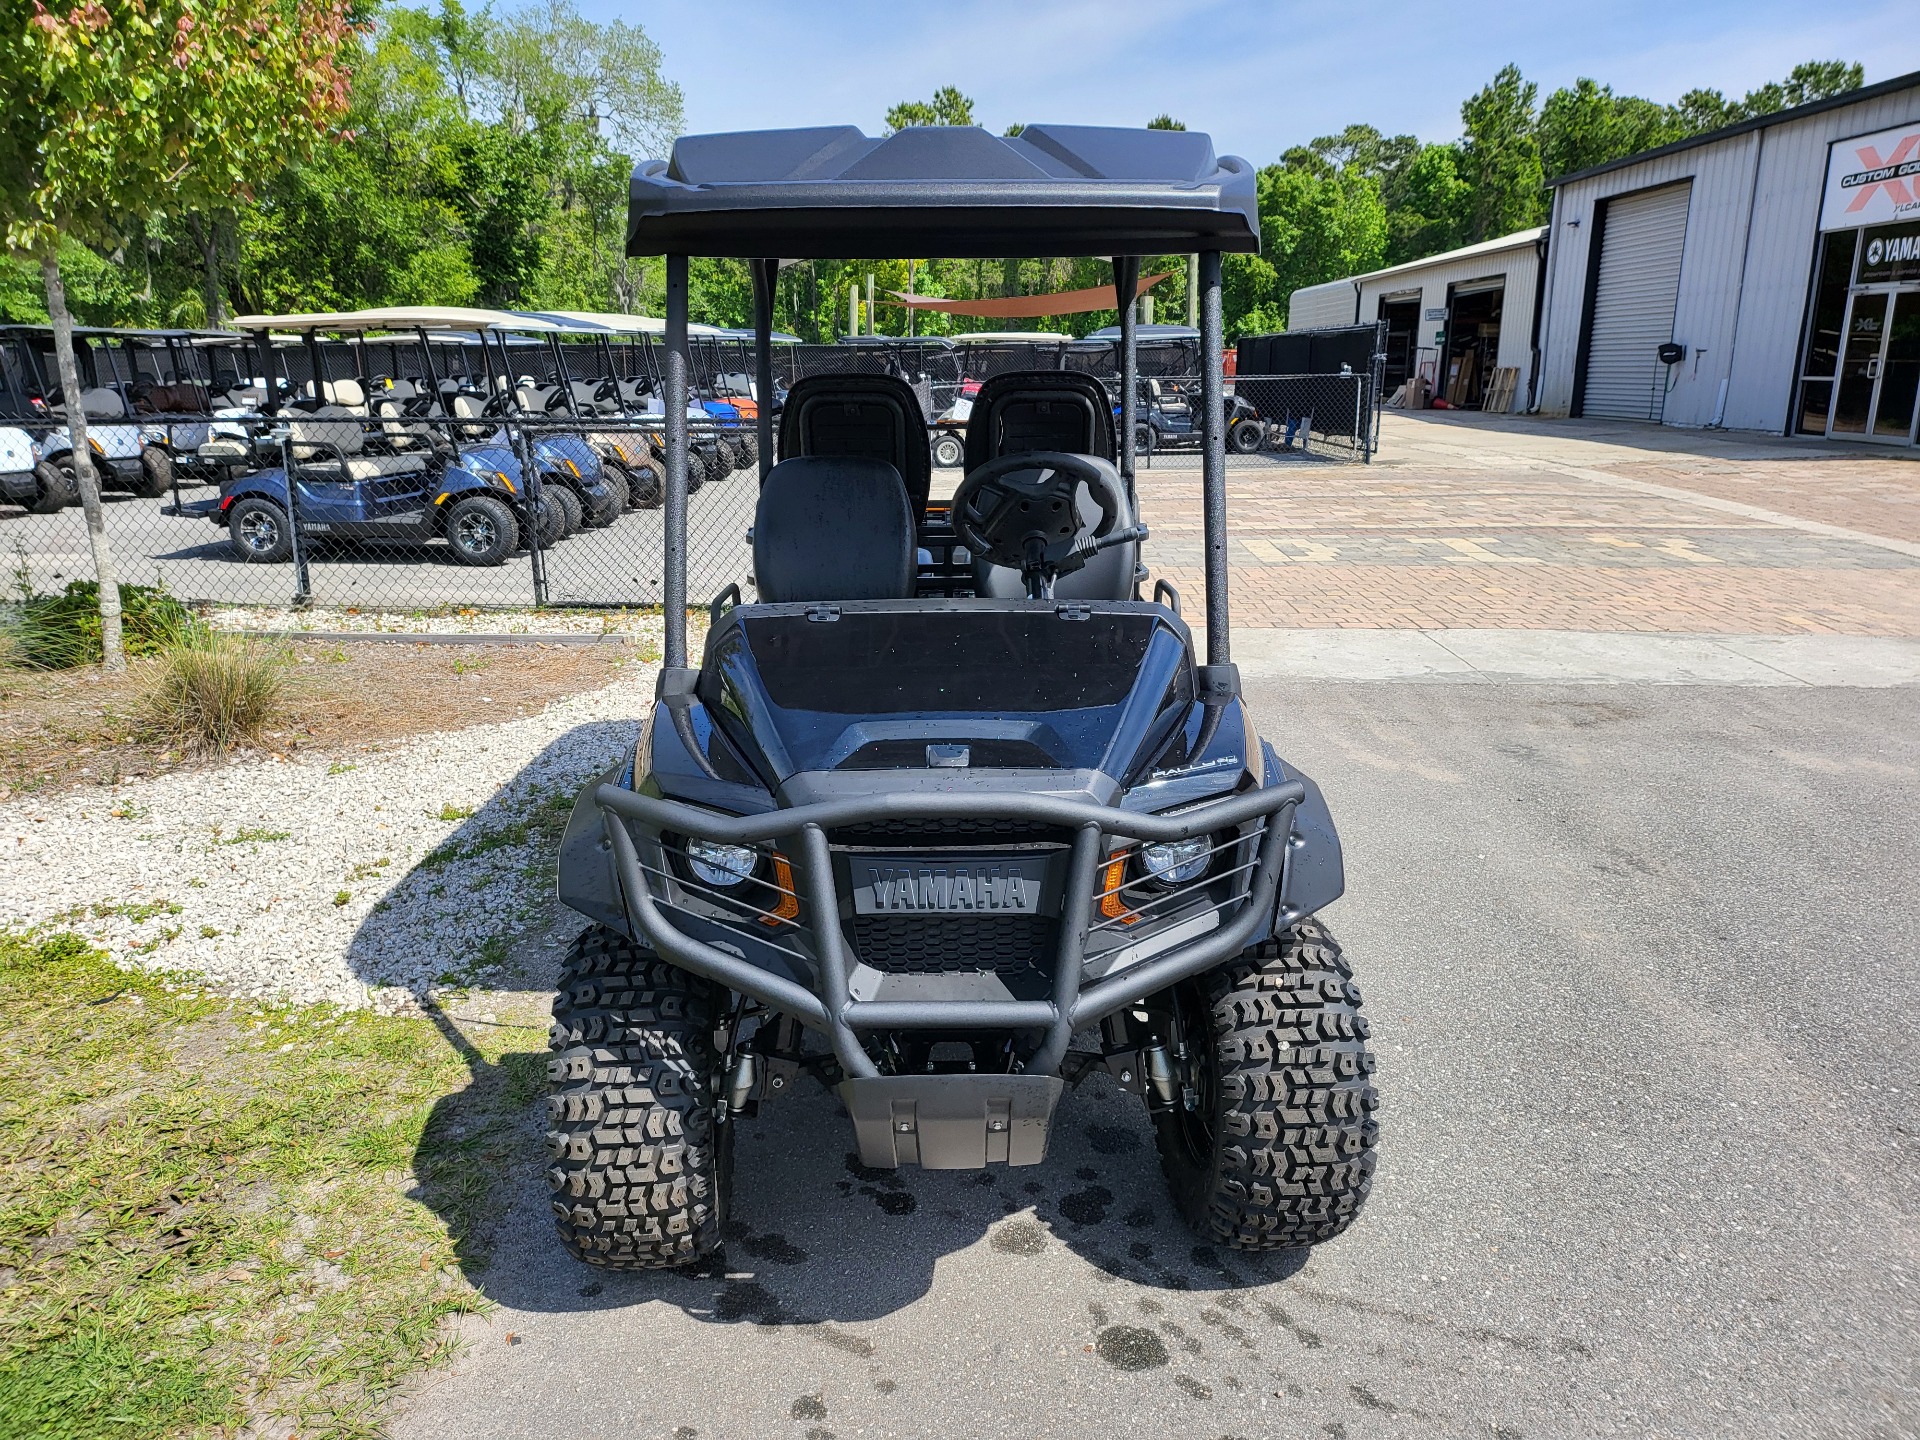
361	878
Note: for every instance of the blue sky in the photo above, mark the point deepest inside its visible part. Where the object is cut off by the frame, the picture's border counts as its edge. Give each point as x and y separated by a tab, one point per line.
1259	77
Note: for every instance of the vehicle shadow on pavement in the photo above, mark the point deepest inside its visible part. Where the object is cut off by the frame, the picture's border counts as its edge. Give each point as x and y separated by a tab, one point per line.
813	1236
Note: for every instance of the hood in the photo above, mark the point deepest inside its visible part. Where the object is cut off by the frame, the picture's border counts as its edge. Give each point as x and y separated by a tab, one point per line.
944	688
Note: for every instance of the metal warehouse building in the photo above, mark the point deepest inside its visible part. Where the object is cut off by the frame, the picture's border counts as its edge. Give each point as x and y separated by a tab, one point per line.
1762	277
1455	318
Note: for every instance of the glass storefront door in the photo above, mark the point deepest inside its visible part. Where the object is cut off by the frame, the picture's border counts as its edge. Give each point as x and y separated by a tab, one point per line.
1879	371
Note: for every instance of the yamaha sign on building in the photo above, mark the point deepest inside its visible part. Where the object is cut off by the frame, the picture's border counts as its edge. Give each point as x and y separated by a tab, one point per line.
1761	277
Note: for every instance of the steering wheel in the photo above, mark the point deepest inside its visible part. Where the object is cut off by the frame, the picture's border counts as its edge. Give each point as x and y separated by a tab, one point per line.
1022	512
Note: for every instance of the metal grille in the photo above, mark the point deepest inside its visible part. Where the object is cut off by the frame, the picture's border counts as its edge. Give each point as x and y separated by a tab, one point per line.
939	834
1007	945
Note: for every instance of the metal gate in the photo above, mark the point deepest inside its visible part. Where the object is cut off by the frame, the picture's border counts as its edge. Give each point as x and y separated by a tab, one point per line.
1638	284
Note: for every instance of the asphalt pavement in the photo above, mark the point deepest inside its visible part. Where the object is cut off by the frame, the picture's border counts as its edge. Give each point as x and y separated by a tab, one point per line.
1640	961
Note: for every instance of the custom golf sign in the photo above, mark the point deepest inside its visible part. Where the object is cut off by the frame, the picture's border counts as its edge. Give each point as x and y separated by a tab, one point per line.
1872	179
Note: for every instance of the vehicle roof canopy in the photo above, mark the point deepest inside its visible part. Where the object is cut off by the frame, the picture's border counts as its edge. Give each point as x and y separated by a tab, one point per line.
951	190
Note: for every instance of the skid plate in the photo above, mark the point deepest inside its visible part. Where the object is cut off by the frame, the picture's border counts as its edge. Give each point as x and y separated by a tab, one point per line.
951	1122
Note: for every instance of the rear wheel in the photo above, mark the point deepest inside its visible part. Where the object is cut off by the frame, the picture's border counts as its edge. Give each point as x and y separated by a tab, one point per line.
55	486
156	472
1270	1142
482	530
948	451
641	1161
258	531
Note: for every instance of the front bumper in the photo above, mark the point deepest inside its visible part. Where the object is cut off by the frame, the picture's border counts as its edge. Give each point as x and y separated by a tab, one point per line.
817	989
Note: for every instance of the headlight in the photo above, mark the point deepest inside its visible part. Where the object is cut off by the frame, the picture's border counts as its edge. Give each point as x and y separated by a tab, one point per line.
721	866
1178	862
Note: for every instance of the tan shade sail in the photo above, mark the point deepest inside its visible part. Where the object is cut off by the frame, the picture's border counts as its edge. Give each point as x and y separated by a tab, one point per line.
1061	302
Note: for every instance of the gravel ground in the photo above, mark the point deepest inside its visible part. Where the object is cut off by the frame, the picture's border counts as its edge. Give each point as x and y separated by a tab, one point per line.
464	620
357	878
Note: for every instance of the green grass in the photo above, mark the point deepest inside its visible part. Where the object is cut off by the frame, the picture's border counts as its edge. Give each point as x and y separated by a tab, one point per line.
247	835
451	811
199	1227
543	819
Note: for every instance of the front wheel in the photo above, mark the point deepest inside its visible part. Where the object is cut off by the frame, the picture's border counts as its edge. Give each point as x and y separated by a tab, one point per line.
646	487
948	451
1244	437
572	512
258	531
641	1156
482	530
156	472
55	486
1269	1144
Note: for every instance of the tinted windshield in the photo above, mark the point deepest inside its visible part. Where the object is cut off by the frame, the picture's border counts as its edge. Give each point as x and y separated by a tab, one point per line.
1026	687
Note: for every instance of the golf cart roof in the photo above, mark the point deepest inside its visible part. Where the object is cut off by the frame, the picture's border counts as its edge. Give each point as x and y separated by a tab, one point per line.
400	317
776	337
589	321
1013	337
931	342
951	190
1145	334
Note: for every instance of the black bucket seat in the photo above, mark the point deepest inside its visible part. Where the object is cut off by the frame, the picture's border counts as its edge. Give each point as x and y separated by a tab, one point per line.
1038	410
873	417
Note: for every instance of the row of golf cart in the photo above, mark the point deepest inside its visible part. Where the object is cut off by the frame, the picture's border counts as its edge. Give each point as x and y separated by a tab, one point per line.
948	373
491	430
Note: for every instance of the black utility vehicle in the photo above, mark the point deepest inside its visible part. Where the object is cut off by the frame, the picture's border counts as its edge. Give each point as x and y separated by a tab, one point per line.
950	799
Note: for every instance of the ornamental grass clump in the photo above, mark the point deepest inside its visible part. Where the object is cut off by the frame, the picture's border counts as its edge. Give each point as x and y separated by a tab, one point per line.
210	691
62	632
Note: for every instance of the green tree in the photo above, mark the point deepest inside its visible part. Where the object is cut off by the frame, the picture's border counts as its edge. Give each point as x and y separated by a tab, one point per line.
1500	156
947	107
1703	110
143	107
1164	121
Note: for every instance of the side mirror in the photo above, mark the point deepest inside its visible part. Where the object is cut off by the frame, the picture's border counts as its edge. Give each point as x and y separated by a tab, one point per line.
1672	354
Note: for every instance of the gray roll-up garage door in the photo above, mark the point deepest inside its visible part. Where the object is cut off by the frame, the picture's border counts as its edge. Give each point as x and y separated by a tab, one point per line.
1633	302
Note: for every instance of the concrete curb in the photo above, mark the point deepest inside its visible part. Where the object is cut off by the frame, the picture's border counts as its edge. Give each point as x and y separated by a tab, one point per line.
441	637
1571	657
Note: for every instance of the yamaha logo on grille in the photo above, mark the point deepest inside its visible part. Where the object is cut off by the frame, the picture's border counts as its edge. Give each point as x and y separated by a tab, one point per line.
1006	887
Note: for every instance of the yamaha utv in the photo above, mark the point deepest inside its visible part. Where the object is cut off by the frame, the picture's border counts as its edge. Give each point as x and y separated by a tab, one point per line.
949	816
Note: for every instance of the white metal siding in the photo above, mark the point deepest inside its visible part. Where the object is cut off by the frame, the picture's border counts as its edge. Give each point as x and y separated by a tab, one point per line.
1748	260
1315	307
1517	267
1633	303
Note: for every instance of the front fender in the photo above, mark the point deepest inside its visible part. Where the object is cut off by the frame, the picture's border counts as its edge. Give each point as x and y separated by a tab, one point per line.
585	880
1316	873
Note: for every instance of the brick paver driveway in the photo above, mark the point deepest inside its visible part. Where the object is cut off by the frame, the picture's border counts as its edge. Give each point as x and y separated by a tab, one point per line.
1510	523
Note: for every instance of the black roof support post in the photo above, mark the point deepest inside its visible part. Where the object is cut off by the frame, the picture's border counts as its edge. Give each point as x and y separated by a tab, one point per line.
673	597
1214	457
766	273
1126	280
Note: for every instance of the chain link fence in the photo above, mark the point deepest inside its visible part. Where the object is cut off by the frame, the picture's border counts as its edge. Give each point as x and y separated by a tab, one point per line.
408	474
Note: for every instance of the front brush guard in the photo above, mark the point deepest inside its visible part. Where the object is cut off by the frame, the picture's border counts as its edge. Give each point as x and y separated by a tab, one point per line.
1073	1005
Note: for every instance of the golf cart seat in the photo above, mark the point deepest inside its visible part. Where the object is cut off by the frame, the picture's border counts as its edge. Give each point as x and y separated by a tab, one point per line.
330	444
99	403
876	417
833	527
1042	410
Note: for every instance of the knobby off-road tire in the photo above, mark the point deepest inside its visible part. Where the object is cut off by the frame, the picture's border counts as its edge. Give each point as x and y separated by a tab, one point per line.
1278	1152
640	1167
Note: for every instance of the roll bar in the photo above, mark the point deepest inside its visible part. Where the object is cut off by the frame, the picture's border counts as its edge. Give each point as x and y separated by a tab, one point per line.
1126	274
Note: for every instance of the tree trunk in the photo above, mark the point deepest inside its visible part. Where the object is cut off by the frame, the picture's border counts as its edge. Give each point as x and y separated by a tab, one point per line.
207	237
104	569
